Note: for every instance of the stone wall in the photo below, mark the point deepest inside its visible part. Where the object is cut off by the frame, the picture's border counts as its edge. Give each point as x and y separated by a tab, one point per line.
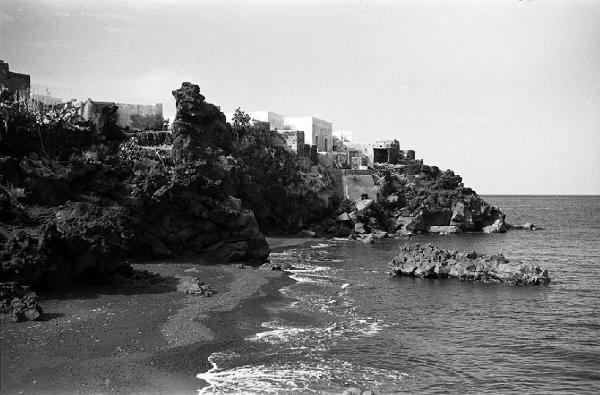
132	116
356	184
294	139
409	154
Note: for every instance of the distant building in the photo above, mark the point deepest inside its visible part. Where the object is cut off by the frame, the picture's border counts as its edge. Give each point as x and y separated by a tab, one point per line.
132	116
344	135
275	120
316	131
294	139
408	154
47	100
386	151
13	81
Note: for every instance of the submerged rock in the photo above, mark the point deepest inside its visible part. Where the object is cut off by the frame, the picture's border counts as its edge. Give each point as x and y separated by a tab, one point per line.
429	261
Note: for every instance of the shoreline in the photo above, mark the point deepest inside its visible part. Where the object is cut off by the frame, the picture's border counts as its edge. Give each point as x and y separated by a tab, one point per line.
152	339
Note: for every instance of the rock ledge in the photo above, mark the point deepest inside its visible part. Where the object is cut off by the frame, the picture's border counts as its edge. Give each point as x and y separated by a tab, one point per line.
429	261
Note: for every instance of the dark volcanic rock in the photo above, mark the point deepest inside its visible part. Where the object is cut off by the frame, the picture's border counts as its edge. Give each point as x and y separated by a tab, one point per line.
200	129
429	261
18	303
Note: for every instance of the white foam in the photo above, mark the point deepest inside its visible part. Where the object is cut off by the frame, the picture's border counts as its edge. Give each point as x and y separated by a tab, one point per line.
321	245
301	376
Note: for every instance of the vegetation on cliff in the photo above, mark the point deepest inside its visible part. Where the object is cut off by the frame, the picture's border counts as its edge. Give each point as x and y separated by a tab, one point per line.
78	199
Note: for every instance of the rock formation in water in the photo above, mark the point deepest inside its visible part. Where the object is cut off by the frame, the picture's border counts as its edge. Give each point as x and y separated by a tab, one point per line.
429	261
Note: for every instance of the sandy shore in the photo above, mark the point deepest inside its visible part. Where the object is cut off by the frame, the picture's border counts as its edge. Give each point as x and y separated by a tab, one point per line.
144	340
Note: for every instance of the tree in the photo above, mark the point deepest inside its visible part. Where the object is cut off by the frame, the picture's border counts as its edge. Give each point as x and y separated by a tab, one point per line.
240	124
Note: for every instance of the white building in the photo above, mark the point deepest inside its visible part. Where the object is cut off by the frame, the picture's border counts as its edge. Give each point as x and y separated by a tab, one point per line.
316	131
344	135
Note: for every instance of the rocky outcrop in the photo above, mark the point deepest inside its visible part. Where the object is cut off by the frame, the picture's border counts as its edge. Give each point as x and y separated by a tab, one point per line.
193	286
200	129
18	303
429	261
416	198
192	211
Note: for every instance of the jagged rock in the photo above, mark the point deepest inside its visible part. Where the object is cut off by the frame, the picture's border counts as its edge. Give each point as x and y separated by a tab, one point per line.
343	217
353	216
393	198
200	129
277	266
379	234
497	227
364	204
429	261
18	303
444	229
193	286
361	228
462	217
367	239
411	224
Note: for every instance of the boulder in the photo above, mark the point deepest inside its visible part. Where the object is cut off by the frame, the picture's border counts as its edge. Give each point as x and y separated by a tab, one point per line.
18	303
497	227
343	217
361	228
379	234
364	204
411	224
368	239
432	262
193	286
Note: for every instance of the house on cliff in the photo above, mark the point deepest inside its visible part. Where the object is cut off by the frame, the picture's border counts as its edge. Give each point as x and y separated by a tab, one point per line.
16	82
129	116
317	132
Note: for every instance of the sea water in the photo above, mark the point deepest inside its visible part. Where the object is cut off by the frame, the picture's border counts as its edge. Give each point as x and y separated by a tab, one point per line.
347	324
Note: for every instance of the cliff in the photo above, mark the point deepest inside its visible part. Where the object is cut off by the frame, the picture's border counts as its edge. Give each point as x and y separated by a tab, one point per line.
416	198
78	211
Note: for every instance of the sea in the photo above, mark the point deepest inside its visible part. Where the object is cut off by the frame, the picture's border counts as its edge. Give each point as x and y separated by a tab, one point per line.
346	324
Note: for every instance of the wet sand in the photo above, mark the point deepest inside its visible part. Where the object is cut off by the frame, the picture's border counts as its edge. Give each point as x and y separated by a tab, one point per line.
144	340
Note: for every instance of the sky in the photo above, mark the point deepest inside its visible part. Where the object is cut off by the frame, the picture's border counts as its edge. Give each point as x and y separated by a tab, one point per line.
505	93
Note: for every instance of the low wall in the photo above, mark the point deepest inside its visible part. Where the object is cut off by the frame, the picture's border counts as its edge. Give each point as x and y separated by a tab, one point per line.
356	185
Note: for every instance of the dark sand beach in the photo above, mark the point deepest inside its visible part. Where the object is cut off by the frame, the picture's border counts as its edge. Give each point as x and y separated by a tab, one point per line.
150	339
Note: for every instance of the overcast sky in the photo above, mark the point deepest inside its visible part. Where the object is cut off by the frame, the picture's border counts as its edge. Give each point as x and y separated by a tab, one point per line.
505	93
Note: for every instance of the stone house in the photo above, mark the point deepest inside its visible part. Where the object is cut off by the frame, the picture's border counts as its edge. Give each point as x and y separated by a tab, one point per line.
13	81
129	116
317	131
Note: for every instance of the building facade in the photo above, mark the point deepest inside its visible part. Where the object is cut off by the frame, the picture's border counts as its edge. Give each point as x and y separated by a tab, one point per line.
131	116
13	81
317	131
